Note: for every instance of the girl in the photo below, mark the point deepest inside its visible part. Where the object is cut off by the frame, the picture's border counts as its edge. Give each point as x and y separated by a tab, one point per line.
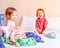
11	15
41	21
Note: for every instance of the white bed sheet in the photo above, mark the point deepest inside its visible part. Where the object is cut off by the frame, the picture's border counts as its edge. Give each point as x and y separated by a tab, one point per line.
49	43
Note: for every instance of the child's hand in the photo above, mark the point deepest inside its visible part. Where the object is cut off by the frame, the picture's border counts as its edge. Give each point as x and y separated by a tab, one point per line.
36	32
39	30
22	35
18	27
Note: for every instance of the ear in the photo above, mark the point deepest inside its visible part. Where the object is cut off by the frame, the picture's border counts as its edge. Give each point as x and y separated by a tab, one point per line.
7	16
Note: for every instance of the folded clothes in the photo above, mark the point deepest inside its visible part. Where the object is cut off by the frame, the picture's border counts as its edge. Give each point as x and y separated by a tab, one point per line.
34	36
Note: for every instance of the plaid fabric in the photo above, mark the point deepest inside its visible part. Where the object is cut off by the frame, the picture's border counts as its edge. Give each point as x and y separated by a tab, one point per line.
2	20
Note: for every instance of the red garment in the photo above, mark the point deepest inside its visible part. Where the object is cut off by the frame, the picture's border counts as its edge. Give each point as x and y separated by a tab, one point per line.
41	24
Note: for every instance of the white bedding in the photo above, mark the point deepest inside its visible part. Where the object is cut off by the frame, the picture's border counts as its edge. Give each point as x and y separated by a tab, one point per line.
28	24
49	43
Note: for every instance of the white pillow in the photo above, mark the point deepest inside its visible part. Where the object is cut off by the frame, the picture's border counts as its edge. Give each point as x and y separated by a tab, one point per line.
28	23
53	22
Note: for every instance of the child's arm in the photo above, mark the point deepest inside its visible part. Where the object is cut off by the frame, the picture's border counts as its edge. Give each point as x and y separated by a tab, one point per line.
18	27
45	24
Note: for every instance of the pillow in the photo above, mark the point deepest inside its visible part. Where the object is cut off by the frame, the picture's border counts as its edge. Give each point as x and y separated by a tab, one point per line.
28	23
53	22
2	20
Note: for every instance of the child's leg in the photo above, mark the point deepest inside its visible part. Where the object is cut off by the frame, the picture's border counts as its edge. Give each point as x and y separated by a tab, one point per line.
22	34
12	38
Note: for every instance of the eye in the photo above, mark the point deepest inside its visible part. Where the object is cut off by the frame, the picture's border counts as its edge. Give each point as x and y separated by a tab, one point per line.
15	15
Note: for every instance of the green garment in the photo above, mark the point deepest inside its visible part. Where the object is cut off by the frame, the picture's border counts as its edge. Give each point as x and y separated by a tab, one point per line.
7	41
3	39
25	42
20	41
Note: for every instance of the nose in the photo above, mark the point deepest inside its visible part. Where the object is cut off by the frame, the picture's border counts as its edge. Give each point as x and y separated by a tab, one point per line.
40	15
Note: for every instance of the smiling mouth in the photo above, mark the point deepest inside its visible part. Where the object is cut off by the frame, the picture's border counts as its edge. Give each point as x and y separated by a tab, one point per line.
40	16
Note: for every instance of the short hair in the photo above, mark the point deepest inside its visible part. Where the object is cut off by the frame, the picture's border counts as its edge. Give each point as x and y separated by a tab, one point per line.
9	11
40	9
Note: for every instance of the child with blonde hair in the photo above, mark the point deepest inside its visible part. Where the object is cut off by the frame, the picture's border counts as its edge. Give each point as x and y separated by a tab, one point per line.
11	14
41	21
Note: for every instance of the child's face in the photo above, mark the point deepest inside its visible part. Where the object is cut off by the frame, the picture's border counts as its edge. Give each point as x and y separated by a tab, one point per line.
13	16
40	14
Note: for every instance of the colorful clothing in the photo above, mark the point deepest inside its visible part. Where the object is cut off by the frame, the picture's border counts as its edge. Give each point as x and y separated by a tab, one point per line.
2	20
41	24
21	41
6	31
34	36
51	35
1	43
25	42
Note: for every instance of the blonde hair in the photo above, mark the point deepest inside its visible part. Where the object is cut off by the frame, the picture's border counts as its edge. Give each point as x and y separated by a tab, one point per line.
40	9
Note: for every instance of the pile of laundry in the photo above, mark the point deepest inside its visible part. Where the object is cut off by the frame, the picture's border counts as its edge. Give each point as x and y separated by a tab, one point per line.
31	40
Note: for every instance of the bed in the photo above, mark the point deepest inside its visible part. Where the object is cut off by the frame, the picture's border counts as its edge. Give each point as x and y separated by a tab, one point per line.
49	43
28	25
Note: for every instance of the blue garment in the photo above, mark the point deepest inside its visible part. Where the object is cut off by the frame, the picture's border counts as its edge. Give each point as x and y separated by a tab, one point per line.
2	20
1	43
34	36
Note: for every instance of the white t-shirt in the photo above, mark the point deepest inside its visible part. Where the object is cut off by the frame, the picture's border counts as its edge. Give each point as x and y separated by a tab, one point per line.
11	24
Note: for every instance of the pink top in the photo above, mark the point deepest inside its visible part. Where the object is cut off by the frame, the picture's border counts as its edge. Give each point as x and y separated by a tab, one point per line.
41	24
